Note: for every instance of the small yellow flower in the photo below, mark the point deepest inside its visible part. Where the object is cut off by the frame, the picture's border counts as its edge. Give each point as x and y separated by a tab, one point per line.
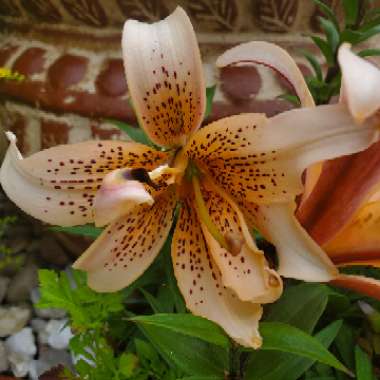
10	75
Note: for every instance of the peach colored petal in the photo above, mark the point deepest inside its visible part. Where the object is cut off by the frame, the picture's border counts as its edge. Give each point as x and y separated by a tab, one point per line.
58	185
245	270
165	77
128	246
117	196
360	84
200	282
261	160
273	56
299	256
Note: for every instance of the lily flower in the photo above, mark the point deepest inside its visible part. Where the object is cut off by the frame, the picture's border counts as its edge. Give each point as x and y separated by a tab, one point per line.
342	212
236	171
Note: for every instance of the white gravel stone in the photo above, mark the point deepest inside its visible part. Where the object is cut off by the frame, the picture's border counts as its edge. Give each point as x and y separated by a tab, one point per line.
20	364
39	327
48	359
21	348
13	319
58	335
22	343
4	362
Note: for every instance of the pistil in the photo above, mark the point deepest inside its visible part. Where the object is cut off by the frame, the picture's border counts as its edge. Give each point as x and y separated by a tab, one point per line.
205	216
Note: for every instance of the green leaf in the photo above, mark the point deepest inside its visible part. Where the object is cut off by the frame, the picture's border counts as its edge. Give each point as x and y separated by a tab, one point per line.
324	47
87	308
127	364
344	342
210	93
172	282
314	63
273	366
370	24
332	34
369	52
86	230
137	134
328	12
351	11
370	14
192	356
294	99
149	358
303	315
186	324
286	338
154	304
203	378
363	365
355	37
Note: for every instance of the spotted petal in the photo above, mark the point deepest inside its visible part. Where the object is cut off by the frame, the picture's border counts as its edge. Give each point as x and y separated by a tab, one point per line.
360	84
273	56
58	185
165	78
261	160
128	246
200	282
245	271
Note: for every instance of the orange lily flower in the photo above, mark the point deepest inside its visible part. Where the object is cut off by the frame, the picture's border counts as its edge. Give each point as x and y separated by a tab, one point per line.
342	211
244	168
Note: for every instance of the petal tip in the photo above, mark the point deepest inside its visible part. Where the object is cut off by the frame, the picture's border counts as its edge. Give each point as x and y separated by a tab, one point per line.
11	137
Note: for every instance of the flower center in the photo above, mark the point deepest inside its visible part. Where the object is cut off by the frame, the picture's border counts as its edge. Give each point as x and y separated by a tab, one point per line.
141	175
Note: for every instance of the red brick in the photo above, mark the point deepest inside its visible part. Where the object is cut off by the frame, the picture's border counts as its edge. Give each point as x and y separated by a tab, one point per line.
53	133
67	71
240	82
111	81
31	61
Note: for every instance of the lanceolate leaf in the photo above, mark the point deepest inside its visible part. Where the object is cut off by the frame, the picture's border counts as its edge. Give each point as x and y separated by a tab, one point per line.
332	34
172	282
328	12
314	63
203	378
210	93
351	10
186	324
273	366
363	365
135	133
303	315
369	52
325	49
86	230
191	356
286	338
